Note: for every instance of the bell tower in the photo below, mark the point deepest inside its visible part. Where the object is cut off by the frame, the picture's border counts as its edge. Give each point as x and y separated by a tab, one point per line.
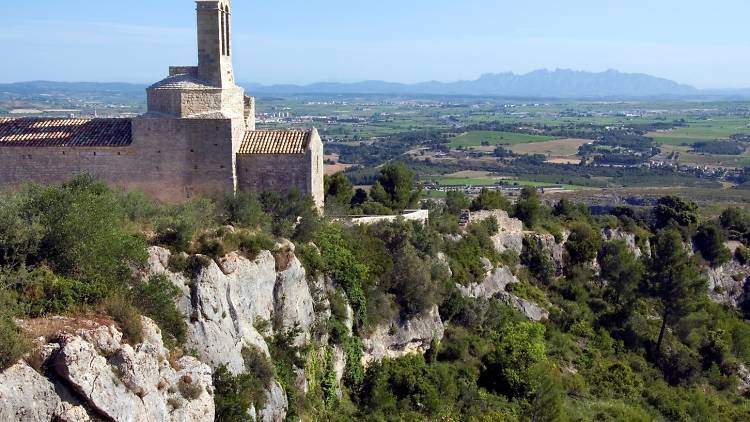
215	42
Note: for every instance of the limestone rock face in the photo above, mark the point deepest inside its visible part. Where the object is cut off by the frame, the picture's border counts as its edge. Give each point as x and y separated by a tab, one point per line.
494	287
225	301
25	395
629	238
530	310
555	249
510	233
493	284
276	405
726	283
127	383
293	300
403	338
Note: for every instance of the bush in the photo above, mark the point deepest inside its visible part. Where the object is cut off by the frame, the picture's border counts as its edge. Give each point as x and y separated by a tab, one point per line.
156	300
233	395
251	245
311	259
13	344
43	293
126	316
508	368
710	242
490	200
537	260
583	244
86	233
742	255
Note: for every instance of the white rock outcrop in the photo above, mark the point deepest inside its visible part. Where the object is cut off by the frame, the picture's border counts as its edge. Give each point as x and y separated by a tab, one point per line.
726	283
403	338
494	283
134	383
618	234
114	380
25	395
225	301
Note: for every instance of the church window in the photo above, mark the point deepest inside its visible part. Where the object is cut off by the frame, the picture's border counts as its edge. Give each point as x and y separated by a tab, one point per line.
222	16
226	32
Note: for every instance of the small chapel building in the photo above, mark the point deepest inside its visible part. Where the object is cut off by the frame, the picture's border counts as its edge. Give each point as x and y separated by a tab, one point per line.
197	137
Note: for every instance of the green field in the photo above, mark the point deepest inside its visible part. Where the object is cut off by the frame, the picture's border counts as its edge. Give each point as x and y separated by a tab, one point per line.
492	181
476	138
703	131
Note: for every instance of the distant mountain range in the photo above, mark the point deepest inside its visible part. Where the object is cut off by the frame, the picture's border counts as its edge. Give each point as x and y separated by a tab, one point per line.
541	83
561	83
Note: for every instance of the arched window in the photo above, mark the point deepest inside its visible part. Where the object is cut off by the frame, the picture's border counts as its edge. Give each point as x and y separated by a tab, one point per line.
222	14
228	42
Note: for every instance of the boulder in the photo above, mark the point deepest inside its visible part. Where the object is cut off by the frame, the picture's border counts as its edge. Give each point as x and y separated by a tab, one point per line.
610	235
293	301
132	383
403	338
530	310
493	284
726	283
25	395
276	405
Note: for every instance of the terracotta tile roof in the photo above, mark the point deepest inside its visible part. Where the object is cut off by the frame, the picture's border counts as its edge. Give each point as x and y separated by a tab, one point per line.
50	132
275	142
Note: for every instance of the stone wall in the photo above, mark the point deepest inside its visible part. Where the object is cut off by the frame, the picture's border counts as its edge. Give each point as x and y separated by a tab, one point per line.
170	159
281	172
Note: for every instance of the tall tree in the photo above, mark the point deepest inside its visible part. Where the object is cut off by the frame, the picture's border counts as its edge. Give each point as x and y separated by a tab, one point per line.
339	189
675	280
529	208
710	240
456	201
623	272
675	210
490	200
395	187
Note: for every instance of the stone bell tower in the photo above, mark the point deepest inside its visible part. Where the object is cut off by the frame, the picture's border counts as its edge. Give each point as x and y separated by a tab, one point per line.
215	42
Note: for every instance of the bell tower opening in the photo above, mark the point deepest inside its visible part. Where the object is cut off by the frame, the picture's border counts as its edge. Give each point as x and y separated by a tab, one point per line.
214	44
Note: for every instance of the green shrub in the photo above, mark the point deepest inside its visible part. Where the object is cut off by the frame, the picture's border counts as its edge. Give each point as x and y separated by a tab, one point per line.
311	259
233	395
156	300
583	244
86	233
537	260
43	293
126	316
508	368
13	344
710	240
742	255
253	244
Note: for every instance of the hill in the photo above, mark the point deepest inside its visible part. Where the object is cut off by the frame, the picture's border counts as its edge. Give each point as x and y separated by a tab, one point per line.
559	83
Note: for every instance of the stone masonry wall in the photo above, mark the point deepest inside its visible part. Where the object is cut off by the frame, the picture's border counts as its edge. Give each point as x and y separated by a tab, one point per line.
274	172
170	159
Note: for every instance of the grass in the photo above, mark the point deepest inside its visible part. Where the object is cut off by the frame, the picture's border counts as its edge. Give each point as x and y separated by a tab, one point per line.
493	181
556	148
476	138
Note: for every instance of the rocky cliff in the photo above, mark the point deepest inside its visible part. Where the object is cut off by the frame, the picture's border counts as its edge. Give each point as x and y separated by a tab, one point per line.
86	371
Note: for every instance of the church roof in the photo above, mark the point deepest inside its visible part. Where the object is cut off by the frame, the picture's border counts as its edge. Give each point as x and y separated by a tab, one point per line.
182	81
55	132
275	142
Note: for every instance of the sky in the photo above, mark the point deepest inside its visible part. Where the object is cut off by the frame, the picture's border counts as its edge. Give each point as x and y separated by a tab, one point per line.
702	43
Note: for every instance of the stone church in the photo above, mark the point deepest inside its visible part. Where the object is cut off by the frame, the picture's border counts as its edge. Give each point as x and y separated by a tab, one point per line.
197	137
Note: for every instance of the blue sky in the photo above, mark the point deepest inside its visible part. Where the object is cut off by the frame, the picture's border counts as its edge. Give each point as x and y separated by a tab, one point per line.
703	43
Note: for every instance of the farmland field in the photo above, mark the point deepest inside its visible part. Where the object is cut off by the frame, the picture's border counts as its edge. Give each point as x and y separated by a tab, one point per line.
557	148
476	138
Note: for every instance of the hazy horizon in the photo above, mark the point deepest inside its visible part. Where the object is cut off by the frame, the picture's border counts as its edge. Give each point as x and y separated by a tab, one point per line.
334	41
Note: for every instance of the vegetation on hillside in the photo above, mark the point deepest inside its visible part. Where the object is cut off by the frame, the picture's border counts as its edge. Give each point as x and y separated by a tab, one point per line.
630	336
